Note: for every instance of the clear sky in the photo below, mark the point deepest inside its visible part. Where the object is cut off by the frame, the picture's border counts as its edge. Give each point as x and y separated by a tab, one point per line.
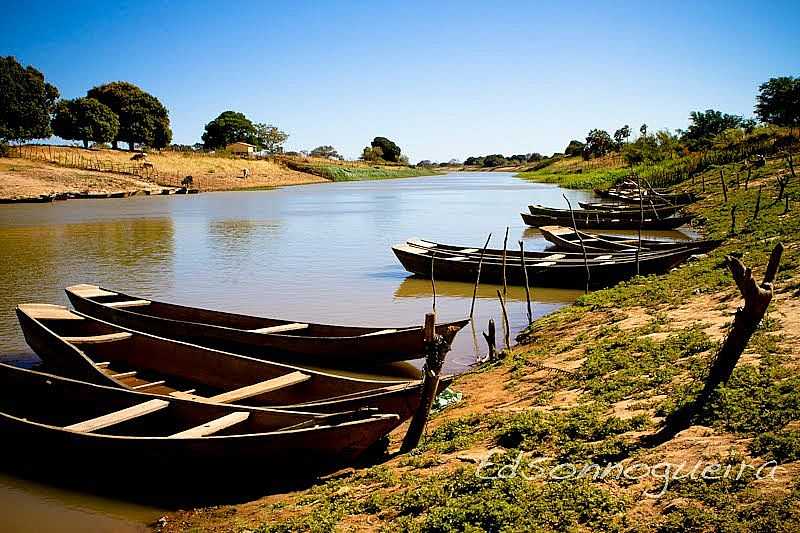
443	79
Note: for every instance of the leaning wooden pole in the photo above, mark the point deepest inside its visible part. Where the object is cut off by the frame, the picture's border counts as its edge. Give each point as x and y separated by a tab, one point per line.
756	300
435	351
433	280
505	247
641	223
525	278
506	325
478	277
580	238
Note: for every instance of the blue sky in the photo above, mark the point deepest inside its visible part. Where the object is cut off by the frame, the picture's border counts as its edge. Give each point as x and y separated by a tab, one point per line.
443	79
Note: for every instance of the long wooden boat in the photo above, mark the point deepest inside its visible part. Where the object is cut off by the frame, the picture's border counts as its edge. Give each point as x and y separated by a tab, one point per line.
597	222
599	213
495	254
96	429
89	349
632	197
604	269
663	210
294	342
566	239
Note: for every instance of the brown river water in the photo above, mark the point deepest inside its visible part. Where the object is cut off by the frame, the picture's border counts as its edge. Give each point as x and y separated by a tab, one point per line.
317	253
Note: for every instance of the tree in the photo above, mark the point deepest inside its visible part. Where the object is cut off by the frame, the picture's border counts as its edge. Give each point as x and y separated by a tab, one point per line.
474	161
778	101
621	136
372	153
535	157
390	151
574	147
85	119
598	144
705	125
325	151
643	130
229	127
269	138
26	101
142	117
494	160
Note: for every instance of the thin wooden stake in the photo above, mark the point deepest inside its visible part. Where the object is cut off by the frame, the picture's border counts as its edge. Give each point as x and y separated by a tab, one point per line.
505	246
733	220
641	222
478	278
507	328
724	187
758	203
491	340
580	238
433	281
525	276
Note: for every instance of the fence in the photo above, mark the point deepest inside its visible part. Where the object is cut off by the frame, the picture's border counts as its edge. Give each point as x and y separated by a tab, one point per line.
72	159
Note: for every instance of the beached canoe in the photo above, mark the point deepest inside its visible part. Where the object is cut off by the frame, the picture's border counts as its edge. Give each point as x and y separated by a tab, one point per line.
662	210
598	222
567	240
294	342
649	212
604	269
99	430
494	254
88	349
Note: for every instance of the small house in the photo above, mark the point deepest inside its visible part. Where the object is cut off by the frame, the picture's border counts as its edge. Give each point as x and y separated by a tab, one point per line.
241	148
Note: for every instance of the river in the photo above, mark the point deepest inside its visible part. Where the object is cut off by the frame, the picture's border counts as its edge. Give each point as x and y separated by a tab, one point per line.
317	253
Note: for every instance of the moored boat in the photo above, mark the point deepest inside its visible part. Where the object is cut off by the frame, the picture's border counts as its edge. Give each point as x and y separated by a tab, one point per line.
649	212
566	239
607	222
294	342
89	349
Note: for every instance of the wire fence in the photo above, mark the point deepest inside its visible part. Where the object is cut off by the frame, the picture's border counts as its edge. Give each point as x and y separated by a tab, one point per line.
73	159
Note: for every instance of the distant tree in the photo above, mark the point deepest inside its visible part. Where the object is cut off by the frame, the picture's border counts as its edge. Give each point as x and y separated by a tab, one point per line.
598	144
229	127
778	102
26	101
535	157
142	117
454	161
494	160
643	130
85	119
372	153
426	163
325	151
518	158
390	151
269	138
474	161
621	136
705	125
574	147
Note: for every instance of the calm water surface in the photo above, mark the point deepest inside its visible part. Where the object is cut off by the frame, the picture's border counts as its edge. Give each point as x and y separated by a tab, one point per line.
316	253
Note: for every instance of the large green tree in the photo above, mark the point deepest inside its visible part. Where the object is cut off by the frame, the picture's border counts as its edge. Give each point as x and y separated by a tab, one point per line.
598	144
269	138
778	101
325	150
390	151
705	125
229	127
26	101
143	119
85	119
574	147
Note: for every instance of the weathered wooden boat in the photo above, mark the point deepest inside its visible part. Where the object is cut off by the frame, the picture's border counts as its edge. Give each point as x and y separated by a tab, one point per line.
556	272
494	254
566	239
62	422
296	342
663	210
598	222
632	197
85	348
650	212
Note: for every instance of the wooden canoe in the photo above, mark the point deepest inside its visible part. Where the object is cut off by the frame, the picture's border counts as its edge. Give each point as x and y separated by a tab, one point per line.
598	222
447	250
61	422
661	210
567	240
604	269
294	342
85	348
632	197
649	212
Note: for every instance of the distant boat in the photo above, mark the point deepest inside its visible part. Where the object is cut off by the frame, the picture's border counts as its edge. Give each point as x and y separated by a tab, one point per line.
300	343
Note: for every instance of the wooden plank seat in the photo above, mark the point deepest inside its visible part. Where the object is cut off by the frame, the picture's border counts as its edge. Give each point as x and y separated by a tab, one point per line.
49	312
117	417
248	391
296	326
98	339
90	291
381	332
214	426
128	303
149	385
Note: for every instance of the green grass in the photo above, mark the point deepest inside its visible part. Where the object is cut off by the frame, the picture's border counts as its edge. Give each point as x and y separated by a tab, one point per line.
335	172
588	179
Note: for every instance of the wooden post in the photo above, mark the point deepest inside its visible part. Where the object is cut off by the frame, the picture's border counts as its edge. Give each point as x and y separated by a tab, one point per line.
756	300
703	177
580	238
435	351
505	246
491	340
525	278
507	332
733	220
758	203
478	278
433	281
641	222
747	179
724	187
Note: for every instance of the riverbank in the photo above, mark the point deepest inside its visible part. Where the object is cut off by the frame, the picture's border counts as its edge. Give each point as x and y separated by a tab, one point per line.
585	383
357	171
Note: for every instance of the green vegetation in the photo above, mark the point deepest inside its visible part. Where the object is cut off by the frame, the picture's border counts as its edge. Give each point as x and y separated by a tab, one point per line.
383	150
342	172
143	119
231	126
26	101
85	119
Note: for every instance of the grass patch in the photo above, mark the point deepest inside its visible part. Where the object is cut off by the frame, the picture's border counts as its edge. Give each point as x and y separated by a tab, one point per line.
334	172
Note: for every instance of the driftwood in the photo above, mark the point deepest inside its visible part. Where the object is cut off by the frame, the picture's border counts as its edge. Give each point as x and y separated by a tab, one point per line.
491	340
756	300
435	351
478	277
